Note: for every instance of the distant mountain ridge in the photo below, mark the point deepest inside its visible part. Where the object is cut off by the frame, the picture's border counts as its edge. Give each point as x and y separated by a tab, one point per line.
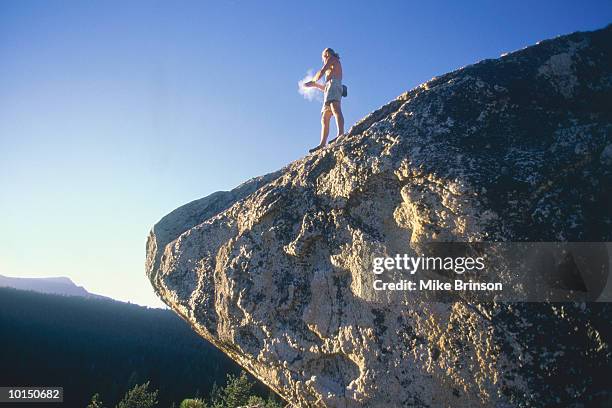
60	285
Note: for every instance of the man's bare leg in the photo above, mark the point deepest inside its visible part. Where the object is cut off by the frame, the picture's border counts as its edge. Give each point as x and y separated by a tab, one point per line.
325	117
337	111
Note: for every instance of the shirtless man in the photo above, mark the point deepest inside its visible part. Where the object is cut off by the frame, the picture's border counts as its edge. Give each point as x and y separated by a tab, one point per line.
332	94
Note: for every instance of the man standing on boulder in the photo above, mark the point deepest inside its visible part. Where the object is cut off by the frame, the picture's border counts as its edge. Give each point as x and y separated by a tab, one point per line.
332	94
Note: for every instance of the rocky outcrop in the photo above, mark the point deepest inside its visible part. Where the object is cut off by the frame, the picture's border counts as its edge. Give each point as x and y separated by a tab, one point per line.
276	273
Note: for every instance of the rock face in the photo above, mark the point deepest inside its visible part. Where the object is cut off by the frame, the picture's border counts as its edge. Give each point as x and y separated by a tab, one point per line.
276	272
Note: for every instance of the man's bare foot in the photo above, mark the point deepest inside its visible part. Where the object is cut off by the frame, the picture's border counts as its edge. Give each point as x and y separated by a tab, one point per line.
314	149
336	138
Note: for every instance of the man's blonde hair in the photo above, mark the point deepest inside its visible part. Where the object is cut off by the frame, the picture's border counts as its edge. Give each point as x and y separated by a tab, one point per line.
332	52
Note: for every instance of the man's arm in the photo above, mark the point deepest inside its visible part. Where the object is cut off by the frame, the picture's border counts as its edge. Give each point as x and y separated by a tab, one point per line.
321	72
313	84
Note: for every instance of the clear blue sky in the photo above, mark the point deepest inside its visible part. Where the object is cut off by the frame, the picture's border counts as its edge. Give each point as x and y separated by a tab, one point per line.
113	113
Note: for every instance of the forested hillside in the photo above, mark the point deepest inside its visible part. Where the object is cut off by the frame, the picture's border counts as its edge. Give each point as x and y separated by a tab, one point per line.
100	346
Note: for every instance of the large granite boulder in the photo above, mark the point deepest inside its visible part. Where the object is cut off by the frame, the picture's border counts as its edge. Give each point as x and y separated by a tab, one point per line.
277	272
